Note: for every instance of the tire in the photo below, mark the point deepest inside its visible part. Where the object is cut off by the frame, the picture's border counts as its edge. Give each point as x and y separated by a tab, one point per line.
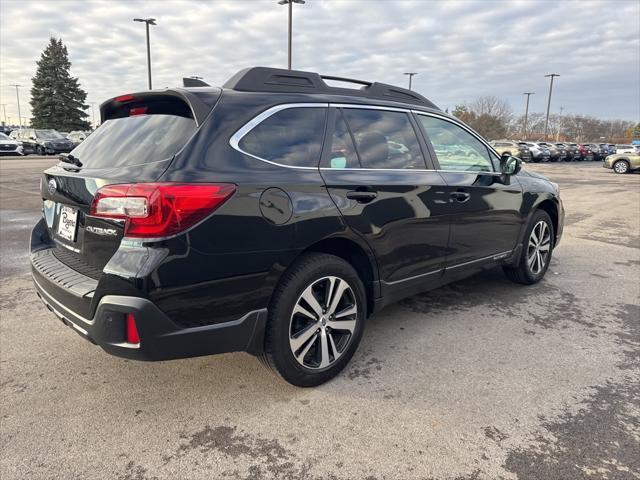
621	166
324	344
530	270
40	151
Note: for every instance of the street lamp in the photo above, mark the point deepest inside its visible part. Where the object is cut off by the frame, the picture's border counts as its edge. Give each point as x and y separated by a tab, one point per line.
411	74
93	114
546	122
526	114
147	22
290	3
18	98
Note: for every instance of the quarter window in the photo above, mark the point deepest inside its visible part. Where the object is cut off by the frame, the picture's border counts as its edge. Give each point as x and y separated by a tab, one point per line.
456	148
291	137
384	139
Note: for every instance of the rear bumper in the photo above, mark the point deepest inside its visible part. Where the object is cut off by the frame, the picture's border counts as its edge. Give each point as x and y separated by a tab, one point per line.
160	338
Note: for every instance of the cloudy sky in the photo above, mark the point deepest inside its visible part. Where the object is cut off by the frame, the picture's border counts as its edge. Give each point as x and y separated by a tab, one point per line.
461	49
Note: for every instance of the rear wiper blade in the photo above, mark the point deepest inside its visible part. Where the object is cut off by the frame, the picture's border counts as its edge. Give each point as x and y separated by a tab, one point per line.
68	158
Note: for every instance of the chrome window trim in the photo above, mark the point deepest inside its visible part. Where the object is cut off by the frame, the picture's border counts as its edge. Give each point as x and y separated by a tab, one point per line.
369	107
236	138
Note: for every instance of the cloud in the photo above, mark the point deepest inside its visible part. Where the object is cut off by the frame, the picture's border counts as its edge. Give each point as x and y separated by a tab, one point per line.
461	49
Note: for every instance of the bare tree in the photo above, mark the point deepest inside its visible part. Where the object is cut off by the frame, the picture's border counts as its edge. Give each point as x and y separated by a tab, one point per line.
488	115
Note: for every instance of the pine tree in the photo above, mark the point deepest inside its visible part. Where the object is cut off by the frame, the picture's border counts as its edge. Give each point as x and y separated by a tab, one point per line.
57	101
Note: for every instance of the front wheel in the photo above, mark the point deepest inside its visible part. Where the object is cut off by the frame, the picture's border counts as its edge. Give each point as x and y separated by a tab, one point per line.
621	166
536	252
316	320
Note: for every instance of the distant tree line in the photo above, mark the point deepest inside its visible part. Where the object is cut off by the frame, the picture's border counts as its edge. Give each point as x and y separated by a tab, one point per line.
493	118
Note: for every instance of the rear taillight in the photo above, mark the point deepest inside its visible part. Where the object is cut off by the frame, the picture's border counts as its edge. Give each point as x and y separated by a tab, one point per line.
131	332
158	210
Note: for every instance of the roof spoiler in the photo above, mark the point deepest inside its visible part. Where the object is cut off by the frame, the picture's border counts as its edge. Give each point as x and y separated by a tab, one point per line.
264	79
193	82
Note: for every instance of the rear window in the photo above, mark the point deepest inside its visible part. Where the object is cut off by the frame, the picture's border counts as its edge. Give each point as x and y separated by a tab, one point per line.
135	140
291	137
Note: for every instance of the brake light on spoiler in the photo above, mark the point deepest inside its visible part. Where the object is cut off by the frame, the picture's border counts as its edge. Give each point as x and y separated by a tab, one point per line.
158	210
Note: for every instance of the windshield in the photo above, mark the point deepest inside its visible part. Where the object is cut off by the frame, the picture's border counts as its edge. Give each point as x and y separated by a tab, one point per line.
48	134
4	137
135	140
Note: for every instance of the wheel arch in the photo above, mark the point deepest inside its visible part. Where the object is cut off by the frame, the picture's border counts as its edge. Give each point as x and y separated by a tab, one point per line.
550	206
358	256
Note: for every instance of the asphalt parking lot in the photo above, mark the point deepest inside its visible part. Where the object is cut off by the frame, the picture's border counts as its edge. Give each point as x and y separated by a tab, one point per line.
482	379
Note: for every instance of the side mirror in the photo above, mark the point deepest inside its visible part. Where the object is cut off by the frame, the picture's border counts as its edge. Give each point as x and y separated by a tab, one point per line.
32	137
510	165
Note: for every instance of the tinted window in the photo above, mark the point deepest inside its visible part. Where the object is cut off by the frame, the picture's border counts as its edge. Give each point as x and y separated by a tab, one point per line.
135	140
384	139
456	148
342	153
289	137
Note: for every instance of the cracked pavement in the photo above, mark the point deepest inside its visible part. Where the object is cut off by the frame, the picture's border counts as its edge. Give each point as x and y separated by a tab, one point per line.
481	379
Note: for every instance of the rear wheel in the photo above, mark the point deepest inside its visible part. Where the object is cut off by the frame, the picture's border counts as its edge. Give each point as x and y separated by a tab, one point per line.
40	150
621	166
536	252
316	320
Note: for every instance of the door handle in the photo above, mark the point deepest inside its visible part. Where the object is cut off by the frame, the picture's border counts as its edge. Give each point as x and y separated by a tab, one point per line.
460	196
361	196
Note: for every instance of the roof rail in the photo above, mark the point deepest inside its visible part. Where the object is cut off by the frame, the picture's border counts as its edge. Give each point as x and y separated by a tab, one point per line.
265	79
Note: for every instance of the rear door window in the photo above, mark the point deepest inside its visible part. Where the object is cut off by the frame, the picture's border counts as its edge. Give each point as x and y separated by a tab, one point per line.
343	151
290	137
384	139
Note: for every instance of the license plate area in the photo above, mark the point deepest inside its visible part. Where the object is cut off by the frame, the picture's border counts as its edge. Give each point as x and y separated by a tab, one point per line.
68	223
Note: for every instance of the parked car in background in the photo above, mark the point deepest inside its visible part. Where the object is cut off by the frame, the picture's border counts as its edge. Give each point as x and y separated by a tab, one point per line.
514	149
43	142
567	153
585	152
273	216
538	153
77	137
607	148
627	148
555	154
9	146
623	162
598	153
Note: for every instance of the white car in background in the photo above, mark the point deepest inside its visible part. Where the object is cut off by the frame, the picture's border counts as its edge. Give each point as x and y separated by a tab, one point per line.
9	146
627	148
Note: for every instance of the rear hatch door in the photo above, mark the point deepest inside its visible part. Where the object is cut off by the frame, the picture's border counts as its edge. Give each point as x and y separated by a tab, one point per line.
137	140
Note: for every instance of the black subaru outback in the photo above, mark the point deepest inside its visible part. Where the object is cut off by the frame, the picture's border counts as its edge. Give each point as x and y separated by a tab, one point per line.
273	216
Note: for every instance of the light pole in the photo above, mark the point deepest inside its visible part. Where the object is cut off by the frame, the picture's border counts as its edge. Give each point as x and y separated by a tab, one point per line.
4	110
410	74
526	114
546	122
290	3
18	98
93	114
147	22
559	124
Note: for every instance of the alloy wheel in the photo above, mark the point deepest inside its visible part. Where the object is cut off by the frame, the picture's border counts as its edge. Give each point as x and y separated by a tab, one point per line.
539	247
323	322
620	167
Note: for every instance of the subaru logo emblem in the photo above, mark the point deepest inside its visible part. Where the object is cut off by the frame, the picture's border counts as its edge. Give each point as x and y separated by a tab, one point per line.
52	186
